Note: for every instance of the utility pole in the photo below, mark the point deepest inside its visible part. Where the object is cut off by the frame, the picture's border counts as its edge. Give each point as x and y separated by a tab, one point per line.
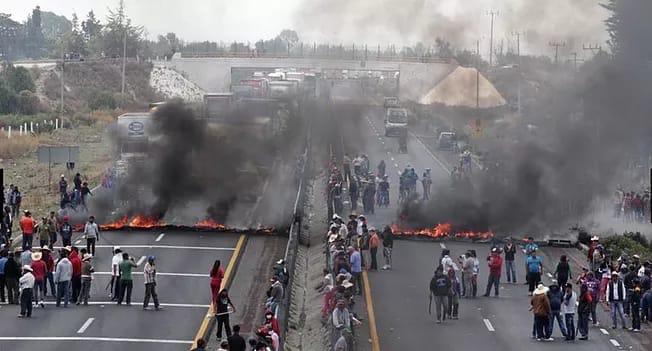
477	75
556	45
575	59
63	64
493	14
124	63
518	43
518	80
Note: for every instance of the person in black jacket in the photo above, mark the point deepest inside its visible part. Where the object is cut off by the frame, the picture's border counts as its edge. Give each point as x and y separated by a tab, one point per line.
628	280
563	272
388	246
12	275
236	342
555	296
510	253
440	285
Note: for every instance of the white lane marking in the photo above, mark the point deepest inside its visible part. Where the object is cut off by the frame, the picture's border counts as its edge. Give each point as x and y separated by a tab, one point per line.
159	237
90	338
487	323
549	275
78	241
614	342
85	325
431	154
141	260
604	331
162	274
392	158
396	164
108	303
442	245
167	247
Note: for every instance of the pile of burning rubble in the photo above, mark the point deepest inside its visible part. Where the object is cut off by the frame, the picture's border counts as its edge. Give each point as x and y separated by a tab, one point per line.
142	222
441	231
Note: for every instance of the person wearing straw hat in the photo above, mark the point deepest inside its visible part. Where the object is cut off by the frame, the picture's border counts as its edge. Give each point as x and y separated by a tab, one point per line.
541	310
26	285
86	278
39	270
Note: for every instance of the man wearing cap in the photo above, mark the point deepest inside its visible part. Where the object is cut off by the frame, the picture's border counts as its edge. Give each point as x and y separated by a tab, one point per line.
495	263
92	234
63	186
26	287
87	270
149	273
62	277
616	296
114	293
39	270
27	225
66	231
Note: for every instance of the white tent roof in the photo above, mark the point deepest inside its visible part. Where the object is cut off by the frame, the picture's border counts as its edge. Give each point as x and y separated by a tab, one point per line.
458	89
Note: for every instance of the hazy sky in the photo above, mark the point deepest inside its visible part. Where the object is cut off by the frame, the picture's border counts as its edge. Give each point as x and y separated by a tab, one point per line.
364	21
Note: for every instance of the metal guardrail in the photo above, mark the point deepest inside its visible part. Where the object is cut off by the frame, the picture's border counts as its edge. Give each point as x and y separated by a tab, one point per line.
371	57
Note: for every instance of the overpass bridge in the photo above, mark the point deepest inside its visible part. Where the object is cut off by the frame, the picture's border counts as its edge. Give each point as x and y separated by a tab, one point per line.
213	74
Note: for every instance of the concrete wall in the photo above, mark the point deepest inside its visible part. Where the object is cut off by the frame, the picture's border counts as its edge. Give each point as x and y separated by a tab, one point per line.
214	74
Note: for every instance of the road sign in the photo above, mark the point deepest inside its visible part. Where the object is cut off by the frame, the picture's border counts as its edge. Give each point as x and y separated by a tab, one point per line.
56	154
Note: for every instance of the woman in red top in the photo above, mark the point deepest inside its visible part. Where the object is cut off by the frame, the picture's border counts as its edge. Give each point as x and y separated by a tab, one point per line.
39	269
217	274
49	277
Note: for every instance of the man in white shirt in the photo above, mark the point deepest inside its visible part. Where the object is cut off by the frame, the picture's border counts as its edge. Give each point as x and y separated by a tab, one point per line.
92	234
26	284
114	293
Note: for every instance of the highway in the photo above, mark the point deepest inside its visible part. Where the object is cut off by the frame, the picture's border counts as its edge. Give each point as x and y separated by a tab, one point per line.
183	262
400	296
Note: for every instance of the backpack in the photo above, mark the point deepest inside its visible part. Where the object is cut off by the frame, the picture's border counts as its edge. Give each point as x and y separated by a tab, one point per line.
440	282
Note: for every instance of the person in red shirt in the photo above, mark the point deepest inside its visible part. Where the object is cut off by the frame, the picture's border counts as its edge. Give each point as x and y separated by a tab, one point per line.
271	322
76	272
495	263
49	276
27	225
216	274
39	270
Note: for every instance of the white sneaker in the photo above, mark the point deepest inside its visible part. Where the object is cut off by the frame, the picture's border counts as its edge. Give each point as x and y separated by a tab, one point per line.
550	339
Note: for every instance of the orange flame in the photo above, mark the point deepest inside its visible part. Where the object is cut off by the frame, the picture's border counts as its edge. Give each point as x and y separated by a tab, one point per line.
210	224
136	222
441	230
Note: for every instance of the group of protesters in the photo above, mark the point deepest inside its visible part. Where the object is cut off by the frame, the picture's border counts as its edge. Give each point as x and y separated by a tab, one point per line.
632	206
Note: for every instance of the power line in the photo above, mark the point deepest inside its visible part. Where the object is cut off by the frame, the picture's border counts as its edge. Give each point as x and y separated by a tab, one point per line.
557	45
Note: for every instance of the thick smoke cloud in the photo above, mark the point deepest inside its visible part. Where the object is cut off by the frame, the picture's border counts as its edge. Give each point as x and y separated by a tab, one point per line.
460	22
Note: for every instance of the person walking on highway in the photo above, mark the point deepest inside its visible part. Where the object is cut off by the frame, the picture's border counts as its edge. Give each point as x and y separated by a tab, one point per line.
15	200
541	309
534	270
75	282
54	224
223	303
126	280
454	295
530	247
62	277
510	253
114	293
346	164
495	263
374	243
86	278
66	232
63	186
150	283
26	288
616	298
440	286
635	303
27	225
77	181
426	181
583	311
354	192
568	308
388	246
563	271
39	271
555	297
92	234
216	274
85	191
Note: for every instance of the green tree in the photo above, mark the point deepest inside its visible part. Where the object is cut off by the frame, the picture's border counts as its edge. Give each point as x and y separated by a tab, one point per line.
118	26
17	78
27	103
11	38
289	37
629	30
74	40
92	34
34	43
7	98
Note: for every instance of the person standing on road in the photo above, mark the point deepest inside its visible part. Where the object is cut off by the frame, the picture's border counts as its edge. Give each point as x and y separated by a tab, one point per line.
77	181
374	243
3	262
541	309
26	292
62	277
356	268
150	283
114	293
75	282
510	253
49	276
530	247
63	186
66	232
583	312
563	271
12	274
126	279
223	303
43	232
92	234
85	191
534	270
635	303
15	200
27	225
426	181
346	165
568	307
593	287
495	263
440	286
39	270
388	246
453	295
216	274
555	297
86	279
54	224
236	341
616	298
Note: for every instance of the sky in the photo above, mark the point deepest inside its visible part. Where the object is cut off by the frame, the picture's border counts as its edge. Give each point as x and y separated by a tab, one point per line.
373	22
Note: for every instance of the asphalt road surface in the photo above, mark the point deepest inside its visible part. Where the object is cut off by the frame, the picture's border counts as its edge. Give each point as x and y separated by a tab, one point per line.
400	296
183	262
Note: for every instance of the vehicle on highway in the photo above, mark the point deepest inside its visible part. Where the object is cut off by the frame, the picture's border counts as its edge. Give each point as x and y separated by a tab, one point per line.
218	105
133	132
259	86
446	141
391	102
283	90
396	120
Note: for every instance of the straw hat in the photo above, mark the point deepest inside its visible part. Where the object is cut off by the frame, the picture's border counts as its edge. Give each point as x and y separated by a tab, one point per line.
595	238
87	257
332	238
346	284
27	268
45	248
68	248
541	289
36	256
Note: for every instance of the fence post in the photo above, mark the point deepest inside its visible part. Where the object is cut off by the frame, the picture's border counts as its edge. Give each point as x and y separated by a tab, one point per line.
31	127
56	123
9	132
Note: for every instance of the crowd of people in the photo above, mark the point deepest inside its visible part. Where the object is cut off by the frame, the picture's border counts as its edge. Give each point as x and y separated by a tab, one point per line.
632	206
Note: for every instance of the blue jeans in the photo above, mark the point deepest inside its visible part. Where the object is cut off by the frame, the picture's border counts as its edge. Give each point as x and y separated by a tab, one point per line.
617	311
556	315
495	281
510	269
570	326
63	292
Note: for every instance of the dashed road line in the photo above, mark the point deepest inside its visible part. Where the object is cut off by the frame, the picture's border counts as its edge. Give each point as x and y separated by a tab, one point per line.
90	338
391	158
604	331
431	154
167	247
159	237
396	165
487	323
614	342
85	325
141	260
442	245
162	274
109	303
77	241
